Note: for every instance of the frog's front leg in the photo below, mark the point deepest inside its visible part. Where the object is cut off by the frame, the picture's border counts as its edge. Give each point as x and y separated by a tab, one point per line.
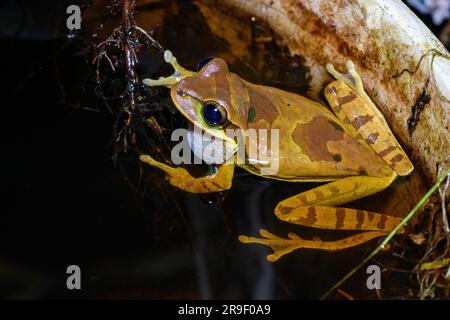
315	208
182	179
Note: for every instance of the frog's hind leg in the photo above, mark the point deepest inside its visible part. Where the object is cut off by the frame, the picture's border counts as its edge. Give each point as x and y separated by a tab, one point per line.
315	208
353	106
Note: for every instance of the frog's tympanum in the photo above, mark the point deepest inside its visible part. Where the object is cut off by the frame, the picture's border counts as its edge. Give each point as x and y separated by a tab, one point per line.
348	145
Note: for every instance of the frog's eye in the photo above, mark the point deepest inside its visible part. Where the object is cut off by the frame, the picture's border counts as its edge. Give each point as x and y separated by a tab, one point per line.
214	114
203	63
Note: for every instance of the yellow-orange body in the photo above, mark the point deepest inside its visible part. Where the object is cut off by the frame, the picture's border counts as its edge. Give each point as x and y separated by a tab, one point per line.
350	145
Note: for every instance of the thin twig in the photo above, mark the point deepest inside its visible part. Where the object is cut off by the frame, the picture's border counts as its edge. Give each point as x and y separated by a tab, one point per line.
389	237
153	42
127	9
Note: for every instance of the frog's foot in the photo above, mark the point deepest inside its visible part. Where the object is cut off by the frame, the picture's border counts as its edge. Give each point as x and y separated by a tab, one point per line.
351	78
179	74
282	246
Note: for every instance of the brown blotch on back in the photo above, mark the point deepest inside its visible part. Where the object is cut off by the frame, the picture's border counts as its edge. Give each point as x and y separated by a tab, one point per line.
340	216
358	122
370	215
382	223
372	138
312	137
347	98
264	108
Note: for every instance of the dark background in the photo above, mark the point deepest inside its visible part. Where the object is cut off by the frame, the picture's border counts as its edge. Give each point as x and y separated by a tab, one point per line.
64	202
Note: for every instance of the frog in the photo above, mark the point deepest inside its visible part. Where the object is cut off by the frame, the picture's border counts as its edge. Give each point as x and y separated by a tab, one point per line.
347	146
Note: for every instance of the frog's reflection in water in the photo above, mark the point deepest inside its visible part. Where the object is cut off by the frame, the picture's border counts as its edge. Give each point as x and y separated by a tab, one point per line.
212	214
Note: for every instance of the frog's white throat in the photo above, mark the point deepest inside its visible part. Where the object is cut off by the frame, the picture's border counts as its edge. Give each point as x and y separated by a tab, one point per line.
211	151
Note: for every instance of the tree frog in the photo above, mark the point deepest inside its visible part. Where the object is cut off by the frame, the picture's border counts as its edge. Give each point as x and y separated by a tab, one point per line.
348	145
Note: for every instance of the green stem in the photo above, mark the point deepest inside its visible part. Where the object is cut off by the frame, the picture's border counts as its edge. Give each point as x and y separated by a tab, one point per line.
389	237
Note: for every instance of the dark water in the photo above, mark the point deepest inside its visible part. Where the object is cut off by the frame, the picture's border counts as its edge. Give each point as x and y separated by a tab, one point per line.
66	203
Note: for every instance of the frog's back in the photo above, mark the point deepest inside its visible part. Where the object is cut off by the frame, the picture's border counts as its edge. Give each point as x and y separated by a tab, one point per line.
313	144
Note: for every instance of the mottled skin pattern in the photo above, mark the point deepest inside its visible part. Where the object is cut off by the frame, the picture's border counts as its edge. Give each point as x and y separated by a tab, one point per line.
351	146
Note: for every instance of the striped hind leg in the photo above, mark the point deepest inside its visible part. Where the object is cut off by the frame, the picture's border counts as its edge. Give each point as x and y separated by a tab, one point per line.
353	106
315	208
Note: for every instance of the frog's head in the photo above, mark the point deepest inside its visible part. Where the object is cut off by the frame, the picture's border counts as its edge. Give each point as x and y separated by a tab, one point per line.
211	99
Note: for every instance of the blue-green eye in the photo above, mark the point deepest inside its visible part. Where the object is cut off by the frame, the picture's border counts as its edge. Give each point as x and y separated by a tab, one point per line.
204	62
214	114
